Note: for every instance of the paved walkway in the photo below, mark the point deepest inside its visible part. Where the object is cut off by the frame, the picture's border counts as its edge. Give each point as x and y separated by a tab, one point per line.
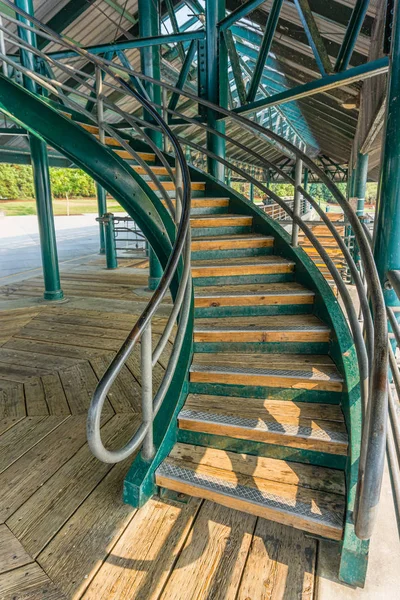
20	247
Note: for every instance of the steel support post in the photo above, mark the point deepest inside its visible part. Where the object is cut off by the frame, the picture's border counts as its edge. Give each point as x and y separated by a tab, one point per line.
387	222
360	182
109	240
217	83
101	209
296	201
41	177
251	192
149	26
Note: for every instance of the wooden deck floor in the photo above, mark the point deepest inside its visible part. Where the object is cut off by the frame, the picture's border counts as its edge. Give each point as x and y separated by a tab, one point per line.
64	531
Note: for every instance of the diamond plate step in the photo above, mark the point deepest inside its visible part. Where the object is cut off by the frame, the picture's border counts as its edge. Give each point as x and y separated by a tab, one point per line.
275	371
314	511
287	328
316	427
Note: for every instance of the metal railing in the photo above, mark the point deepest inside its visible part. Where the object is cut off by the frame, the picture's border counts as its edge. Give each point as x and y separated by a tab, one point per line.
93	93
371	349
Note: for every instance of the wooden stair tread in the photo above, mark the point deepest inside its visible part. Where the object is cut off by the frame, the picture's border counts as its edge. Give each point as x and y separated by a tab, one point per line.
276	328
253	295
246	237
170	185
306	425
282	471
267	370
247	260
260	323
320	513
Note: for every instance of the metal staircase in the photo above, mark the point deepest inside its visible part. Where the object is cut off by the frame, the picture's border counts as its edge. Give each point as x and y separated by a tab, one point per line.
268	388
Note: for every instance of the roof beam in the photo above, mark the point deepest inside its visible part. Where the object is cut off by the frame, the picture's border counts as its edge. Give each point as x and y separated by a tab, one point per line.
264	49
241	11
314	37
351	35
375	67
143	42
235	64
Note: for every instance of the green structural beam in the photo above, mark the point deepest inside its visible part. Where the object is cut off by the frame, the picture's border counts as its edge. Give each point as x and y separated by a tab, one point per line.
183	74
370	69
264	49
142	42
64	17
239	13
314	37
149	27
216	83
351	35
235	64
387	225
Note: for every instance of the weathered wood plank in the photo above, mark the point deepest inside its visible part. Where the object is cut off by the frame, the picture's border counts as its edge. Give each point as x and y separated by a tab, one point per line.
79	383
35	397
145	554
55	396
28	583
15	442
12	553
214	556
12	400
281	564
33	469
46	511
77	551
125	393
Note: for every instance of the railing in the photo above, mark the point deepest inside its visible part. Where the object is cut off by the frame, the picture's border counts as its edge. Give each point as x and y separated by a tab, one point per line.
129	240
91	93
371	349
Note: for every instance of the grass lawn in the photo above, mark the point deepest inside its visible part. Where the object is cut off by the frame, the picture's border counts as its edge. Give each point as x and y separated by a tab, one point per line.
77	206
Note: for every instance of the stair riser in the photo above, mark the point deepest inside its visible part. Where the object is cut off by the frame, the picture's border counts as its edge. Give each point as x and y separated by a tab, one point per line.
321	459
258	391
252	311
208	210
209	231
290	347
239	279
172	193
231	253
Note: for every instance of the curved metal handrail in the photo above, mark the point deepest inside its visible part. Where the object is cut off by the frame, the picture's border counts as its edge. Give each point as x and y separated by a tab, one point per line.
373	444
180	249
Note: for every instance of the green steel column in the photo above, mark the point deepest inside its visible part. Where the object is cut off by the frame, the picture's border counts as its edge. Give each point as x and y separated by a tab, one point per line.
101	209
149	25
251	194
109	240
217	83
41	176
387	222
360	182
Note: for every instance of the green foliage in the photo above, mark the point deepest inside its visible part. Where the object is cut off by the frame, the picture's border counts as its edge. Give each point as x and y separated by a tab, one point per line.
16	182
320	192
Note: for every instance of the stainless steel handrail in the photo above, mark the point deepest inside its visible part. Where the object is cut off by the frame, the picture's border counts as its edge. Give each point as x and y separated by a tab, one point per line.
142	328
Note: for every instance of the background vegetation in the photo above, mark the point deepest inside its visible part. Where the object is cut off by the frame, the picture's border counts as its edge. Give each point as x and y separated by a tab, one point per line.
74	192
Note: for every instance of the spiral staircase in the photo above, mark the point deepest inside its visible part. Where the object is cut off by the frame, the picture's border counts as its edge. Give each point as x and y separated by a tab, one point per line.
261	408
